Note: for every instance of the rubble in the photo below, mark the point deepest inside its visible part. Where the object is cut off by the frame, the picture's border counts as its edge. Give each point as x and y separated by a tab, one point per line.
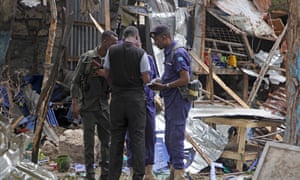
221	35
12	164
50	149
71	143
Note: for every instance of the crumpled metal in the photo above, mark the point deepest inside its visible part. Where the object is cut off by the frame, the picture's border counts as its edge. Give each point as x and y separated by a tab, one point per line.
211	142
244	15
11	150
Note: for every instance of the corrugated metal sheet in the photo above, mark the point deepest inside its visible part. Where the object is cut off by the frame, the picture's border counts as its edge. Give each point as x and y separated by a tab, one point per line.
84	35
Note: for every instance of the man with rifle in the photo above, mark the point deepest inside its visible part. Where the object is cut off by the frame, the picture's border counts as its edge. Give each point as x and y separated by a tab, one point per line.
90	94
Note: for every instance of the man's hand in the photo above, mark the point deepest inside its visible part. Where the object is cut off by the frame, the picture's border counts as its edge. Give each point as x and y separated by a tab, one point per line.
99	72
157	85
97	64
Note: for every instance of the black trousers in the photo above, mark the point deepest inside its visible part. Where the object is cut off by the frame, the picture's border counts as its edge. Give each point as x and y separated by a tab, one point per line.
127	114
101	119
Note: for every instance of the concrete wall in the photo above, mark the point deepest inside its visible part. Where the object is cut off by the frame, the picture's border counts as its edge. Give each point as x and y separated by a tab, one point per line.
30	37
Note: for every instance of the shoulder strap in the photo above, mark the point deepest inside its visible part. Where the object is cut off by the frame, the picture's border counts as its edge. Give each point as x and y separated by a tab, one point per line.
174	49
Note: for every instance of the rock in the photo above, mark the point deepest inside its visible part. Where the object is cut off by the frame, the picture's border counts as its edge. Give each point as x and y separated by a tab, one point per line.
50	149
71	143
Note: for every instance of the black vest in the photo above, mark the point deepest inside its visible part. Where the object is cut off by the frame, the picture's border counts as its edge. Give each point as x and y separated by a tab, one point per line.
125	71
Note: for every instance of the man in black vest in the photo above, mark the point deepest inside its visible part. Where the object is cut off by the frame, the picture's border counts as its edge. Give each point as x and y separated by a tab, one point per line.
127	69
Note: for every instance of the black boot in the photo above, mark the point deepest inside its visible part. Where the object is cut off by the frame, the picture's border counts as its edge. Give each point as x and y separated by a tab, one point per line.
103	177
90	177
90	174
137	177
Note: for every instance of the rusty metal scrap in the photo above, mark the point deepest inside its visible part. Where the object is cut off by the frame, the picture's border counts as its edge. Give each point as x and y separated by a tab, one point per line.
276	101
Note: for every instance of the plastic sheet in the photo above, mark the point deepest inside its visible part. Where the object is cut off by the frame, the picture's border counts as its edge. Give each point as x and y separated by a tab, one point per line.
275	76
208	139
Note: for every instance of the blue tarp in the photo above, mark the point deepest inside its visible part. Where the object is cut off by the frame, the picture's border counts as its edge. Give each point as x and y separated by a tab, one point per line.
36	82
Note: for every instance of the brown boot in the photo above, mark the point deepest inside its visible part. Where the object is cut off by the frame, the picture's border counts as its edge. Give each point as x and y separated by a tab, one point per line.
179	174
149	173
171	176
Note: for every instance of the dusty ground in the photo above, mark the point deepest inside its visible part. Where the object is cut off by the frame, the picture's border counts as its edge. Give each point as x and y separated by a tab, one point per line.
124	176
66	176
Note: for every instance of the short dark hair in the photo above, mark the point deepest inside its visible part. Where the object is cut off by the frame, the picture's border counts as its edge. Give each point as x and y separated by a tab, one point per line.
160	29
130	31
107	35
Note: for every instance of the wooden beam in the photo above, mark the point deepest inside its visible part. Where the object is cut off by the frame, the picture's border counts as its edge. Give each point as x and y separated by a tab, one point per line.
42	106
225	42
47	89
198	149
107	14
203	30
99	28
242	122
236	156
219	98
210	78
248	47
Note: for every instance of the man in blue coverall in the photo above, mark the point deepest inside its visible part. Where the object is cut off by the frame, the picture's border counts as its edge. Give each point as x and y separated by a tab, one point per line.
150	136
177	72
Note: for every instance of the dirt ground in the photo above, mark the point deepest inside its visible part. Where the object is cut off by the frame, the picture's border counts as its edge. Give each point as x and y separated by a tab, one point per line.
66	175
124	175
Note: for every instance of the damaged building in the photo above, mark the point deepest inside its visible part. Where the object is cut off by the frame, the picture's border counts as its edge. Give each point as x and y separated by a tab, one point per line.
239	54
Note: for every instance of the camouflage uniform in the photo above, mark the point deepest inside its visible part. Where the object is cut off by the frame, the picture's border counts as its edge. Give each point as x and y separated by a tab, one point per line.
92	94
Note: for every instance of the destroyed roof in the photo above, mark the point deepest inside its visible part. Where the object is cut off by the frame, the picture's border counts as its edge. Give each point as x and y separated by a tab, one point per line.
245	16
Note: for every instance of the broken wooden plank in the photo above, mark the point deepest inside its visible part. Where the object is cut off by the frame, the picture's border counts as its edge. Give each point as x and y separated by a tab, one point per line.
43	102
248	47
107	14
219	81
42	106
210	78
100	29
203	29
198	149
219	98
231	46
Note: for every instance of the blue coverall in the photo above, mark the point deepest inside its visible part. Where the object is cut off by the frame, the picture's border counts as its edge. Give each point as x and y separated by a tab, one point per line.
176	108
150	137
